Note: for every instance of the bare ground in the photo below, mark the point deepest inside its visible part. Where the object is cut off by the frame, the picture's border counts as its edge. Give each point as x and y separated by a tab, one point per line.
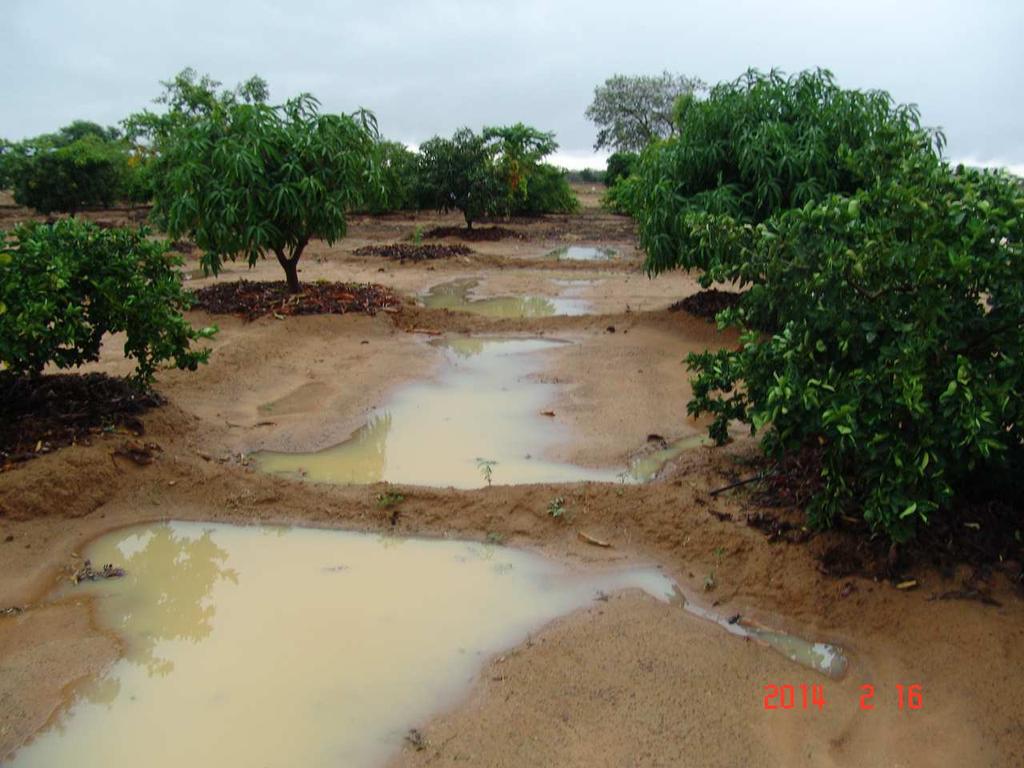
626	682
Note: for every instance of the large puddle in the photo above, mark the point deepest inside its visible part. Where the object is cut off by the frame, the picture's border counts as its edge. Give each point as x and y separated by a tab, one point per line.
457	296
582	253
481	421
266	646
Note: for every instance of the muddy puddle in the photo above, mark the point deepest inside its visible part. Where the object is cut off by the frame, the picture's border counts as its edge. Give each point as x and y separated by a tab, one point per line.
280	646
485	420
480	420
268	646
582	253
457	296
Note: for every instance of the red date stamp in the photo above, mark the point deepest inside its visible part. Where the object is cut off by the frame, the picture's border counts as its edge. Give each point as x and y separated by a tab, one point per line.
803	696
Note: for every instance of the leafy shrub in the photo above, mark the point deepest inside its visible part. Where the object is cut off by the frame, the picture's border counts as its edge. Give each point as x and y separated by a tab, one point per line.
886	287
898	344
139	183
548	192
63	286
88	171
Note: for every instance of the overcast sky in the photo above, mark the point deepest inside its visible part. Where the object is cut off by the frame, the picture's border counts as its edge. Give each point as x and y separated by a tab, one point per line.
429	66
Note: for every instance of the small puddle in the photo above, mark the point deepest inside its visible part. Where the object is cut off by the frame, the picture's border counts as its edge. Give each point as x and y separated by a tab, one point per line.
270	646
646	466
456	296
482	413
582	253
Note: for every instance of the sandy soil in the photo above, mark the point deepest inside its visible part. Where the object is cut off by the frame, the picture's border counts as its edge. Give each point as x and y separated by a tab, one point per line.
626	682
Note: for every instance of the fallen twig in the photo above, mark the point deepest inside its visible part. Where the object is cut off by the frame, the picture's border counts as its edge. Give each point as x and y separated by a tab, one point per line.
591	540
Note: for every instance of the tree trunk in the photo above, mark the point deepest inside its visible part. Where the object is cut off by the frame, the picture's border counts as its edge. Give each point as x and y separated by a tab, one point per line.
291	273
290	265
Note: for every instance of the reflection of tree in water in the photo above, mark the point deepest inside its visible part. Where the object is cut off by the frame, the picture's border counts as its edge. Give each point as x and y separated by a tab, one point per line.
465	346
364	455
166	598
360	459
455	296
450	295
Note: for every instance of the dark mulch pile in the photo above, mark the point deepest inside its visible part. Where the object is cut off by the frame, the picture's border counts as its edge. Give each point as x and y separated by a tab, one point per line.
410	252
256	299
40	415
987	535
473	235
707	303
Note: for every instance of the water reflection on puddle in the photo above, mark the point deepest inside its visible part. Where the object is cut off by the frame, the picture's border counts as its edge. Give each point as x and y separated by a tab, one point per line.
269	646
456	296
582	253
486	406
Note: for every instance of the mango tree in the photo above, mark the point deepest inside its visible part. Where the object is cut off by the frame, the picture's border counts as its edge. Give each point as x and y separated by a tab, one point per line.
458	174
883	326
244	178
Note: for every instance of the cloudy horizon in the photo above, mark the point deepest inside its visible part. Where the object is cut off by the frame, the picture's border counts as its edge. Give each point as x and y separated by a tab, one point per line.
430	67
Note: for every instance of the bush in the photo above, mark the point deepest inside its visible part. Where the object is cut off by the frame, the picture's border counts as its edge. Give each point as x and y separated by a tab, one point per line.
886	290
139	182
548	192
64	286
620	166
88	171
898	347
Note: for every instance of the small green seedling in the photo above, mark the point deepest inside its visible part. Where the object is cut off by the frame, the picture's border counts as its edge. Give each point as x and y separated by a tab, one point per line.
486	467
389	499
556	507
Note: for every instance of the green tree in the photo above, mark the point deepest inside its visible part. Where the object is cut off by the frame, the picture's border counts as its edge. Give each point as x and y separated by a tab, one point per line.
517	151
59	176
458	174
620	166
64	286
398	183
883	325
632	111
760	145
244	178
81	129
8	152
186	98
